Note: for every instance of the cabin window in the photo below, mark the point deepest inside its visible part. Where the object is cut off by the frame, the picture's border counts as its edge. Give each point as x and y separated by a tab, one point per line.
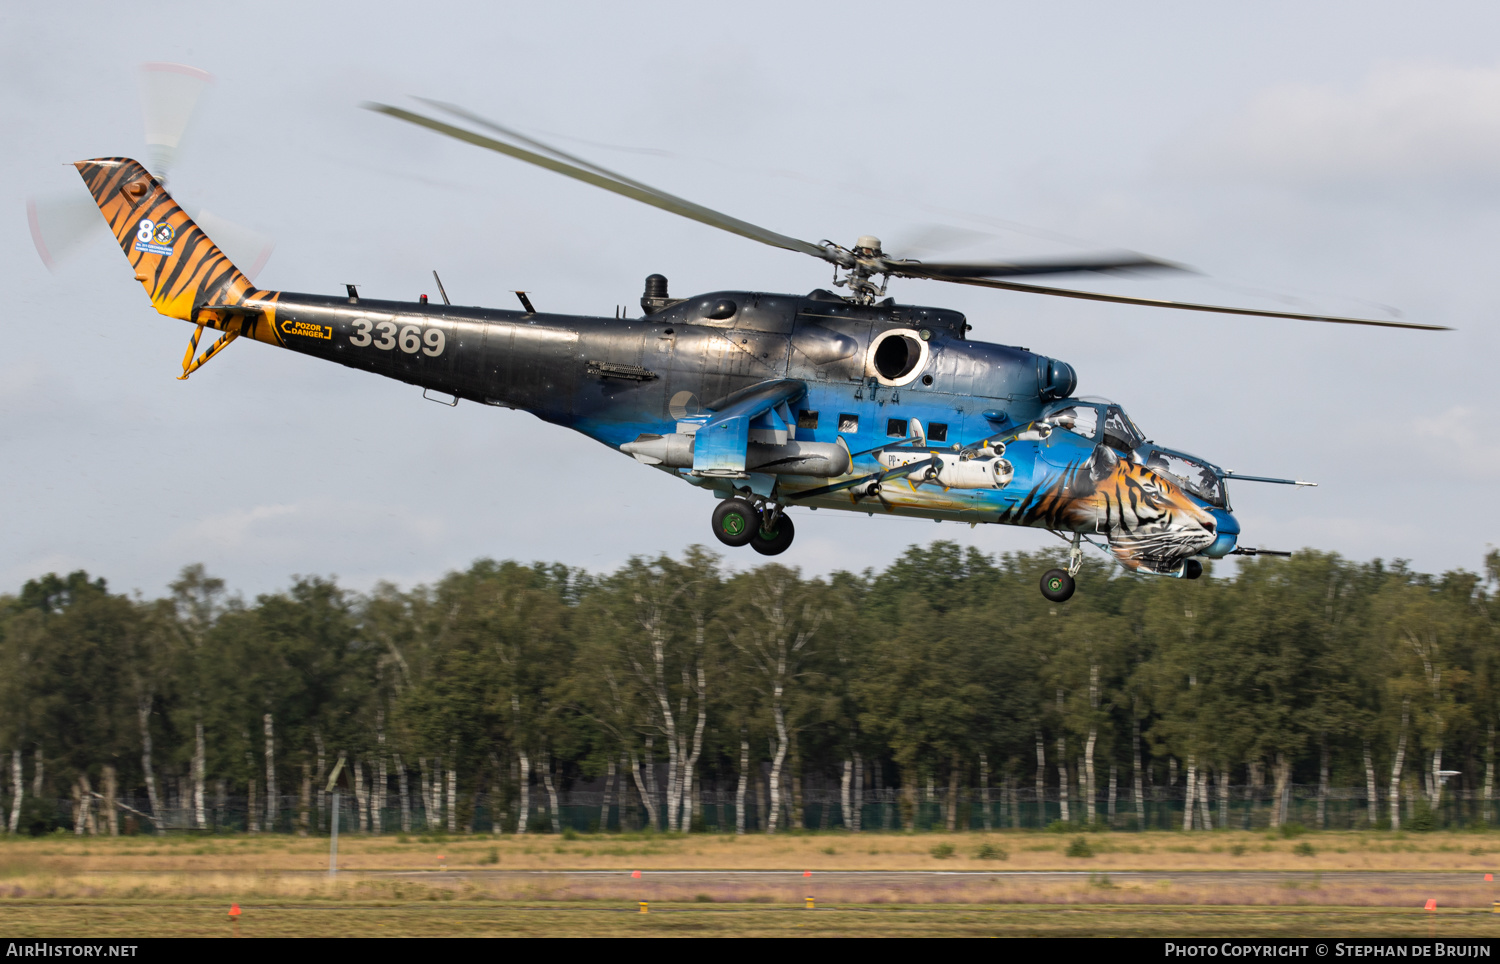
937	431
848	423
895	427
806	419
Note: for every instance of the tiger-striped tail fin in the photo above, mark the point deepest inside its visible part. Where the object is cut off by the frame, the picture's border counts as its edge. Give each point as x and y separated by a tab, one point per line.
181	269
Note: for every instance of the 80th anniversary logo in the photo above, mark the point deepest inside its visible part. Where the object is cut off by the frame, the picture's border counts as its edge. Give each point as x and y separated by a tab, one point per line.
1392	948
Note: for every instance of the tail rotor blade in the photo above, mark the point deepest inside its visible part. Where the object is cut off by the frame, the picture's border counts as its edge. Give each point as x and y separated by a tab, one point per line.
62	224
248	249
169	93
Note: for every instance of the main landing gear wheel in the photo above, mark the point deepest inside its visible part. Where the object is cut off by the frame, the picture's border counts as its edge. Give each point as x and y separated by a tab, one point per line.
736	522
775	542
1057	585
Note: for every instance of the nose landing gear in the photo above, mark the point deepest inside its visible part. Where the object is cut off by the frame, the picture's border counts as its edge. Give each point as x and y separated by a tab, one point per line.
767	529
1057	585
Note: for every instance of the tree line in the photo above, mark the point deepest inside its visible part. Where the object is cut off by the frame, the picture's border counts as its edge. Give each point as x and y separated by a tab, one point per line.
943	684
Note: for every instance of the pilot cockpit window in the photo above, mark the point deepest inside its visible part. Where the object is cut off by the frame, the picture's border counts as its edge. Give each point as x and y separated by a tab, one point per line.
1119	431
1081	420
1192	475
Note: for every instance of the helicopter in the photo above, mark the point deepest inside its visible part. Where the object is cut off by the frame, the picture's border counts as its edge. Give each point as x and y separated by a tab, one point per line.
768	401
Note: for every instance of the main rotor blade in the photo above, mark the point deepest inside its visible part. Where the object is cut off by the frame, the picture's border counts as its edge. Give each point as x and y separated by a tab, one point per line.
514	135
169	92
1005	269
932	239
1186	306
599	177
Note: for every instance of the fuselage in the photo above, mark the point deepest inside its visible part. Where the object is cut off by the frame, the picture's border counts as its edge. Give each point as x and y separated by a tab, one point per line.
678	361
614	379
868	371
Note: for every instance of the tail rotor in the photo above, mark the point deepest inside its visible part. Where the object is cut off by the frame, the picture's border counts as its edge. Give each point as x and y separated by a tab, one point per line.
61	224
65	223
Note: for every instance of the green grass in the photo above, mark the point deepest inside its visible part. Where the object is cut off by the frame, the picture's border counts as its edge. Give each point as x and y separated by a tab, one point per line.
125	919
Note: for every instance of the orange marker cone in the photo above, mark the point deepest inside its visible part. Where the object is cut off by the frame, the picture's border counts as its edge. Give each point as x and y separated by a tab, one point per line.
1431	904
234	910
807	873
636	874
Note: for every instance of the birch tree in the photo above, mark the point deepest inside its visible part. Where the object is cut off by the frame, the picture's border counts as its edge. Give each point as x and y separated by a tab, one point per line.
662	637
779	616
197	602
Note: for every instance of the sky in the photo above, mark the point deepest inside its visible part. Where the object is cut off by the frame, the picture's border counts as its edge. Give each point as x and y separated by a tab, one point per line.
1335	157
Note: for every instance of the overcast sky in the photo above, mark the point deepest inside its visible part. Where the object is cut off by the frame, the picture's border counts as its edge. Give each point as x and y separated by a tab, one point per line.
1339	156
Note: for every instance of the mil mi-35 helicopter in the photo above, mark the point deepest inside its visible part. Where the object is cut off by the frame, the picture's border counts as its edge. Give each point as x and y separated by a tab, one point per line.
768	401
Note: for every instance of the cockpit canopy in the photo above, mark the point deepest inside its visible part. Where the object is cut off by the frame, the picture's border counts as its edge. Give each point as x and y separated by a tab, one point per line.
1084	416
1100	420
1192	473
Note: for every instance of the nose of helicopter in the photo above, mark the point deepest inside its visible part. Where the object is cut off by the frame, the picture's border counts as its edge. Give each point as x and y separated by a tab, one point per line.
1228	533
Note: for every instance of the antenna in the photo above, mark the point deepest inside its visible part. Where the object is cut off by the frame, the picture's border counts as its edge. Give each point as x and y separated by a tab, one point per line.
440	287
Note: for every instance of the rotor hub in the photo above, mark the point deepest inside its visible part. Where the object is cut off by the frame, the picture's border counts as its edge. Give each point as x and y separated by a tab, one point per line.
862	264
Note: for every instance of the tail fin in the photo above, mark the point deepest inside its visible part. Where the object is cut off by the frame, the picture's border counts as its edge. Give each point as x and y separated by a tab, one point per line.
180	268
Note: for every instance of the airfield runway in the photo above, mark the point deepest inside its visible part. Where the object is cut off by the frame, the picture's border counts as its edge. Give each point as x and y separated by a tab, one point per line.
1369	878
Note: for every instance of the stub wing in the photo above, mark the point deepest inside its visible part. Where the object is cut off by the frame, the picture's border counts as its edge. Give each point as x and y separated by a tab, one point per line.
759	413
